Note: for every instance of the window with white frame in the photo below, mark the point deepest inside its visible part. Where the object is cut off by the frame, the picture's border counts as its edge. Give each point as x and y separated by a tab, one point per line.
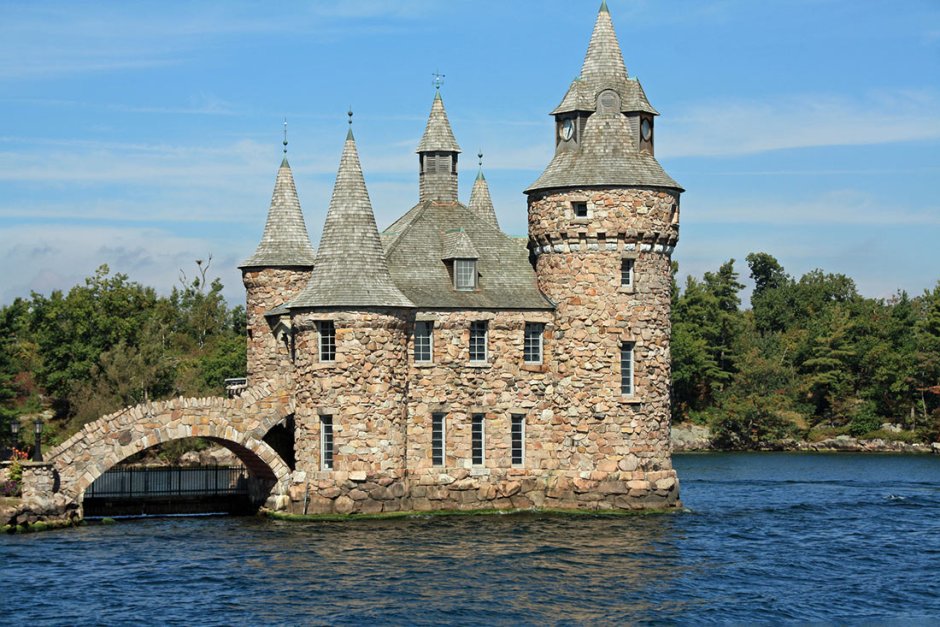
326	442
517	437
626	368
532	342
424	341
626	272
477	439
438	438
465	274
478	333
327	340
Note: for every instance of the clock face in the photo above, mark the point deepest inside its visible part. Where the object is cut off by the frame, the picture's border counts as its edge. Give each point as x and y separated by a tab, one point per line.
566	132
646	130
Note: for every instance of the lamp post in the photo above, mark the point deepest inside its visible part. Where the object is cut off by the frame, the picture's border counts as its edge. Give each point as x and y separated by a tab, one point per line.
37	452
14	432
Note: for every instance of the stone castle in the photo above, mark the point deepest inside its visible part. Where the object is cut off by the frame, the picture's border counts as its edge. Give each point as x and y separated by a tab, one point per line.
441	364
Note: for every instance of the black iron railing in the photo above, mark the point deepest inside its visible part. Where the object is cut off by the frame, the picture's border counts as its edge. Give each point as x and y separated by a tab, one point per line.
131	483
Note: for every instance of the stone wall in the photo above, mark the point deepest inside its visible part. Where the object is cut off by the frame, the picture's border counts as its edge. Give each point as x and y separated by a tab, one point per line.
265	289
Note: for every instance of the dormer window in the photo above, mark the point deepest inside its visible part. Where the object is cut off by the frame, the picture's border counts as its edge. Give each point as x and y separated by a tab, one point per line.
465	274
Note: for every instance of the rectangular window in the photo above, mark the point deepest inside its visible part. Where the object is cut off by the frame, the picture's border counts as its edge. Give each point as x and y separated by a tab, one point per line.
477	439
424	343
626	272
532	344
626	368
518	439
478	341
465	274
580	209
326	442
327	337
438	442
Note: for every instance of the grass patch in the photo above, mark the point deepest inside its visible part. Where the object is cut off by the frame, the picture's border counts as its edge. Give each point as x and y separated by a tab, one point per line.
910	437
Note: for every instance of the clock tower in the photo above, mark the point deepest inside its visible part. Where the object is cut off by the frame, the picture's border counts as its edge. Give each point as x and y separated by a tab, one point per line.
603	222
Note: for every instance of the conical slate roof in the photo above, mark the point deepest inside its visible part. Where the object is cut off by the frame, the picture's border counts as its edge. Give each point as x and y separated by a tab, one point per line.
603	68
285	242
607	156
351	270
480	201
438	136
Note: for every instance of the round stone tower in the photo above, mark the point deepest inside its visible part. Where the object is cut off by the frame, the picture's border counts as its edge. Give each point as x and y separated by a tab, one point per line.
351	325
275	273
603	222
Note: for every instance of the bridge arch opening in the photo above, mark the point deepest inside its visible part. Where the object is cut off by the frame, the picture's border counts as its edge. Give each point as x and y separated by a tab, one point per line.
127	488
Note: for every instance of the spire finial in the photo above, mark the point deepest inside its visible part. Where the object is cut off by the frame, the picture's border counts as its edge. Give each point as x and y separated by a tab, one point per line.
480	157
285	136
350	114
604	7
438	80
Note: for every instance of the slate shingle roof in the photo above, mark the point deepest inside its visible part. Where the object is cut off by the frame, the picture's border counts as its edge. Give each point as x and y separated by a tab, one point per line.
351	270
414	245
481	202
438	136
603	68
607	156
285	242
608	152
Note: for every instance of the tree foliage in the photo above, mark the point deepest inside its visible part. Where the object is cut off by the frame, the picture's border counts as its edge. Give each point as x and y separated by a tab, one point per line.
111	342
809	353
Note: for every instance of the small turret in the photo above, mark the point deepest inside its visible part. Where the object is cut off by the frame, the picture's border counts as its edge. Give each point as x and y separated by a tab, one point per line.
480	201
437	156
278	269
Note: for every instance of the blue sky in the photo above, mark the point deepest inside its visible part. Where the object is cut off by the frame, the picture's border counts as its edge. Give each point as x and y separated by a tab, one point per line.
147	135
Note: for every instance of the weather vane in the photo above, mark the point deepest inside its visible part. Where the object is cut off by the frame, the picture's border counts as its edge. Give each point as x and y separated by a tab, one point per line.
438	80
285	136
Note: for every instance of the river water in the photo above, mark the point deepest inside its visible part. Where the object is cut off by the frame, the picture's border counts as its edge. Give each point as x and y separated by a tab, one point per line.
769	537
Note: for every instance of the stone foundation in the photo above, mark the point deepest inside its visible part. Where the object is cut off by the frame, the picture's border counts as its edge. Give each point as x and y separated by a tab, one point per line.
461	489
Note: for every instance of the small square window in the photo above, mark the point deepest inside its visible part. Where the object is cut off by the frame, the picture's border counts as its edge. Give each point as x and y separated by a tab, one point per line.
532	342
424	342
580	209
465	274
626	272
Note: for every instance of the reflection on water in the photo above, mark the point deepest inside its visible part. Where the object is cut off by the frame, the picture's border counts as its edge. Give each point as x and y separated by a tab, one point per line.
768	537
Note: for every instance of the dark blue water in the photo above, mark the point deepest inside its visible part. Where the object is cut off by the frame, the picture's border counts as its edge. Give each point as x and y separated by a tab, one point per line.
770	537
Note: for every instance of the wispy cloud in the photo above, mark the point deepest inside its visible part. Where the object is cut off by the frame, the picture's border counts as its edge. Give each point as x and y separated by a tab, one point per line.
736	127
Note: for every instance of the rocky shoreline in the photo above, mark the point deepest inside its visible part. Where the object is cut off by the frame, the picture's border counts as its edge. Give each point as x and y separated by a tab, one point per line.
690	438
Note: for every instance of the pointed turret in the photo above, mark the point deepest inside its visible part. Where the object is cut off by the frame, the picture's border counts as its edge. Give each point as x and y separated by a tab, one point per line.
480	201
351	269
604	125
437	156
285	242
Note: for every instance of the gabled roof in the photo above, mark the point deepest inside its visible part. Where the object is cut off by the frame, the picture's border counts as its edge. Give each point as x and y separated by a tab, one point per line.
285	242
457	245
603	68
351	270
480	201
414	244
606	157
438	136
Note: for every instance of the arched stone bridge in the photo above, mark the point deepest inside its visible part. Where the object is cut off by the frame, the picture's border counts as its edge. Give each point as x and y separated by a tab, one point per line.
238	424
